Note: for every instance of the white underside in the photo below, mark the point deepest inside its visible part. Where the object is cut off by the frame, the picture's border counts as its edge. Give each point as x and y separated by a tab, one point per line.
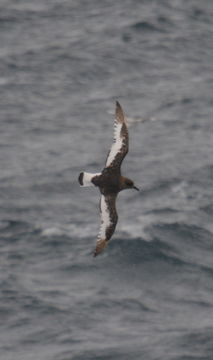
105	218
117	145
87	178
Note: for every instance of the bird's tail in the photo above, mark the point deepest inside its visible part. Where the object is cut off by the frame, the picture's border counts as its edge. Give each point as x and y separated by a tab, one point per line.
85	178
100	246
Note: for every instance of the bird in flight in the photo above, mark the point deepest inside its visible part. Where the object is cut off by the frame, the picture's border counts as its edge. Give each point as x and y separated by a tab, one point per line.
110	181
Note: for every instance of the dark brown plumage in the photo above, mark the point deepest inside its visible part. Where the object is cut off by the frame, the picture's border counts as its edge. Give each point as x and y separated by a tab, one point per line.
110	181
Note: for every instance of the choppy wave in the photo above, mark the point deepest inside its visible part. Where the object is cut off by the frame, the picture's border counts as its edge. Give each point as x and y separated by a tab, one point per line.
149	295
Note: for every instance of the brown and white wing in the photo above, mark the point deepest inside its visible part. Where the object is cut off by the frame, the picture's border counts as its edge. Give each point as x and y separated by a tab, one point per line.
120	145
109	220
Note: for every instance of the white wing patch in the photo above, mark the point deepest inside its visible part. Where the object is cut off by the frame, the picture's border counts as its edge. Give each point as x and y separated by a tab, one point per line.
117	145
87	178
105	218
108	222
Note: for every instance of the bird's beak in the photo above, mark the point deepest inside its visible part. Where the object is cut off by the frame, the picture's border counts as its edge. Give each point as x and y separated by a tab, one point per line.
134	187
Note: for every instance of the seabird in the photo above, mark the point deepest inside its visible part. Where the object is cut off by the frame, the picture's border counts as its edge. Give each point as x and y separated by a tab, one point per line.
110	181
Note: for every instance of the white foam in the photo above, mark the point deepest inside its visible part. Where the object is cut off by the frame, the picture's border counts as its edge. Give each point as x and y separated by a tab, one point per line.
71	230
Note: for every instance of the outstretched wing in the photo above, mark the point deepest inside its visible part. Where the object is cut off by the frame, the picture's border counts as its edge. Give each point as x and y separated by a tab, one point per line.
109	220
120	145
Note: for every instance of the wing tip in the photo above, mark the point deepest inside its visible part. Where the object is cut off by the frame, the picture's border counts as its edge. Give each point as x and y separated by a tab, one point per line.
119	114
101	245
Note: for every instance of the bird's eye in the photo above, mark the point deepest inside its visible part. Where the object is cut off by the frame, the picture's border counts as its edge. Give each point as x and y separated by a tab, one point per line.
129	183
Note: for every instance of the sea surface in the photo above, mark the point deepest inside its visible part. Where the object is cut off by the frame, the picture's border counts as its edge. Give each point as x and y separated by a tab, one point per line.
63	64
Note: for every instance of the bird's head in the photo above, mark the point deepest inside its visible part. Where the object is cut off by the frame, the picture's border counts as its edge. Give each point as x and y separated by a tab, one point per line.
128	184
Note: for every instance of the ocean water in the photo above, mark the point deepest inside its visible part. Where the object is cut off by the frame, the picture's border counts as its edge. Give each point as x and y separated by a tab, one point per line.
63	64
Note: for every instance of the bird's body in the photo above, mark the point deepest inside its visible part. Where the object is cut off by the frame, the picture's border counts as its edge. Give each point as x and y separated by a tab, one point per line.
110	181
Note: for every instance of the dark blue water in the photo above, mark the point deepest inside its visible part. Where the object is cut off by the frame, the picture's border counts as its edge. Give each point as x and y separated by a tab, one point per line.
62	66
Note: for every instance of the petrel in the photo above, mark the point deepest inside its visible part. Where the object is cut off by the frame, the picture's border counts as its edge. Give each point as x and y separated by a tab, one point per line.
110	181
